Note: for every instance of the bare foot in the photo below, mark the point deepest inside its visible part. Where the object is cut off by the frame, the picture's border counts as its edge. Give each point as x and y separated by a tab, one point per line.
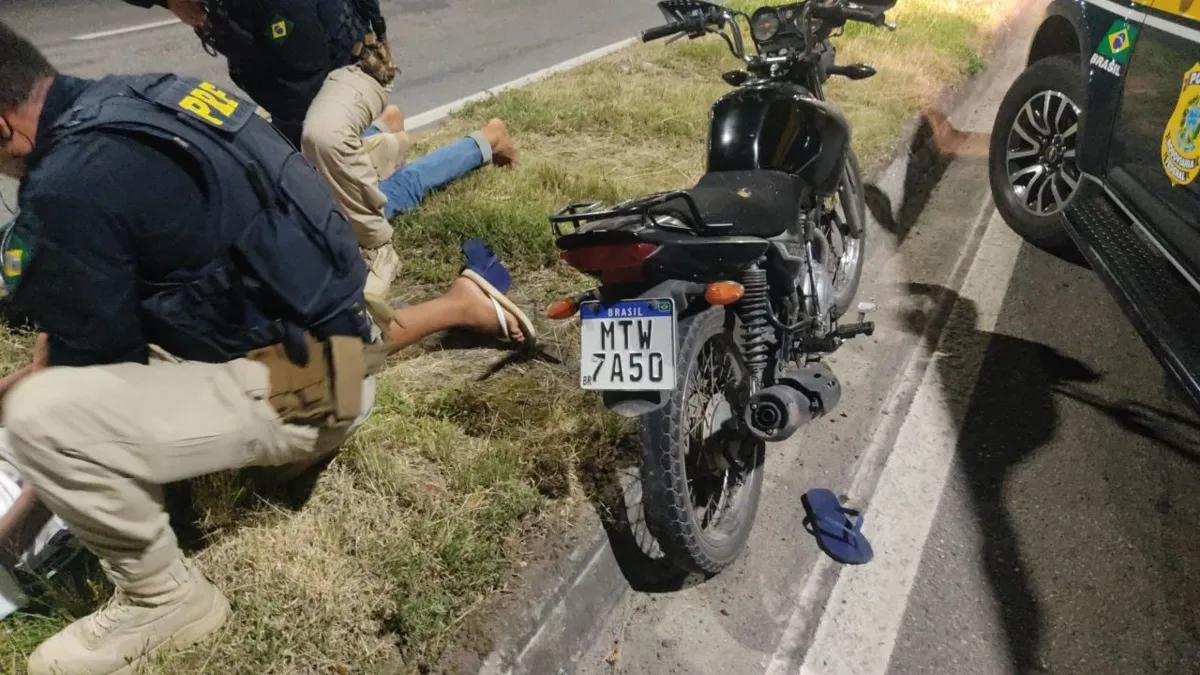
504	153
478	312
393	118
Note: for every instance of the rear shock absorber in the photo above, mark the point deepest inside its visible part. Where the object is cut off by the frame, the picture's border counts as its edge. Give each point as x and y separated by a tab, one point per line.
754	310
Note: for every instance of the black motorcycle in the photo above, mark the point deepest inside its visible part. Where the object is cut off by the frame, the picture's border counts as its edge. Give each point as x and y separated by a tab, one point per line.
716	304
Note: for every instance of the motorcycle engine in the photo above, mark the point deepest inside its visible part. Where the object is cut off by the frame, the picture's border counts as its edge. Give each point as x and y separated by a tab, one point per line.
820	298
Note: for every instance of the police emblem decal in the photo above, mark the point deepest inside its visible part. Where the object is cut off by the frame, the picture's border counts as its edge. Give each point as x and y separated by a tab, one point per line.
1181	138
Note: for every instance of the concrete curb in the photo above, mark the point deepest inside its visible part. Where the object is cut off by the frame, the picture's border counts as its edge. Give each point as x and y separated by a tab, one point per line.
565	602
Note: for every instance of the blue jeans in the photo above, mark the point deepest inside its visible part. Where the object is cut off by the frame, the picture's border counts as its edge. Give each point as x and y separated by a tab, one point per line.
408	187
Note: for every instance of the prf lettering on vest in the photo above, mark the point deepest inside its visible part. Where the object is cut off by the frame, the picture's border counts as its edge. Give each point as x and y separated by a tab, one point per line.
208	102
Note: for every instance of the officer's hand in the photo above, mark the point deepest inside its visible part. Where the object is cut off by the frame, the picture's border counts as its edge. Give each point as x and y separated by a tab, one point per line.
41	351
190	12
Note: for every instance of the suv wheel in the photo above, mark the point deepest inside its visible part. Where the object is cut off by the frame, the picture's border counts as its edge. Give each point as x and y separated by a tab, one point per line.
1032	159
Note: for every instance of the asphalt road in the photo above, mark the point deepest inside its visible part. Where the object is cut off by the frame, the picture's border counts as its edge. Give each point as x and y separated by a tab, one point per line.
1067	537
447	49
1033	495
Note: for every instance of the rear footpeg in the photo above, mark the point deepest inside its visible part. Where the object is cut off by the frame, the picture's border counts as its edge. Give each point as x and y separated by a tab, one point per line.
800	396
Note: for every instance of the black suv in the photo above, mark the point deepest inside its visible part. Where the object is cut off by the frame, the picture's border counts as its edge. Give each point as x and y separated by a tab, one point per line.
1096	150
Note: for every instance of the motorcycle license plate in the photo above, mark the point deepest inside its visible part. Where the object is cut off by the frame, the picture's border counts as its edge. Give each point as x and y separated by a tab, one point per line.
628	345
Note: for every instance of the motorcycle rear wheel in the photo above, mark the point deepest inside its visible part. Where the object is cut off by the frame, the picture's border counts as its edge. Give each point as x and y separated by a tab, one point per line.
849	219
701	483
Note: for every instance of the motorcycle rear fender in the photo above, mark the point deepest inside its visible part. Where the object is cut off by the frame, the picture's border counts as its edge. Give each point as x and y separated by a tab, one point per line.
689	299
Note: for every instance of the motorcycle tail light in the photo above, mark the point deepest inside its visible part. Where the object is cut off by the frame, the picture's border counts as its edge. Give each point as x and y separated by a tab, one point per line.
613	263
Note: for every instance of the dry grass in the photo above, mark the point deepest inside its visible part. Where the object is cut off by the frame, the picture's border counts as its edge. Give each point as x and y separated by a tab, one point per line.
422	515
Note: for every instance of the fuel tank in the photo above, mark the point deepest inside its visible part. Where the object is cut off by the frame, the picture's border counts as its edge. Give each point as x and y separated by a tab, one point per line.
775	125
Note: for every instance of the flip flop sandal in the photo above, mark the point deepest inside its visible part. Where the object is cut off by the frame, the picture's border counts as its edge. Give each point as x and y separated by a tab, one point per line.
483	261
501	303
486	271
839	536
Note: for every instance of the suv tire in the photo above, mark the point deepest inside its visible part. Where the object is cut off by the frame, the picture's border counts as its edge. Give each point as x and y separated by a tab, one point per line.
1056	82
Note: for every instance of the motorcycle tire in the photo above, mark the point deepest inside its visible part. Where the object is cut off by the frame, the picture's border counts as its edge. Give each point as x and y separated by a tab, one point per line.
667	486
853	195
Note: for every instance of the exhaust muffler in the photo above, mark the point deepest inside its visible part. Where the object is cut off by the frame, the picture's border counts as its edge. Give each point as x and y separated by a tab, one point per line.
800	396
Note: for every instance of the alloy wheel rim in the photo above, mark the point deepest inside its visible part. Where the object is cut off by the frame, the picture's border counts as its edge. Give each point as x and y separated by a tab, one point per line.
1041	154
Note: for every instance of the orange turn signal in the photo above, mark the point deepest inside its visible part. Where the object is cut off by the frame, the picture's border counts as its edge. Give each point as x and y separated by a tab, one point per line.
724	293
562	309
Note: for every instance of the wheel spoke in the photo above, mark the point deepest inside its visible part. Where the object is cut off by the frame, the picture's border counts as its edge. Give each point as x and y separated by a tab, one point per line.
1019	128
1070	154
1022	154
1071	182
1058	200
1062	107
1041	193
1036	170
1033	120
1071	131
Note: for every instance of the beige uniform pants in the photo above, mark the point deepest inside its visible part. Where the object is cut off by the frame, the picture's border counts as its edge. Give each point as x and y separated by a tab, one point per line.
100	442
349	101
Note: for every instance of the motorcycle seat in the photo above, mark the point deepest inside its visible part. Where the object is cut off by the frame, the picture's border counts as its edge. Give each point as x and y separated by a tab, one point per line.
742	203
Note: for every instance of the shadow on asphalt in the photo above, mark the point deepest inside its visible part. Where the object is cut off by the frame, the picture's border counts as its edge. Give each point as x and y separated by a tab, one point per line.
1013	414
935	145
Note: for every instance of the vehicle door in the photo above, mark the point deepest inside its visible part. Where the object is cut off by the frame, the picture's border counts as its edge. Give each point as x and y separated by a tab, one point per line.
1154	166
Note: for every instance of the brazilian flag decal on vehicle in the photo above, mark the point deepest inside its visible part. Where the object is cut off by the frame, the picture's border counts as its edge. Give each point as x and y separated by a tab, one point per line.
1113	51
279	29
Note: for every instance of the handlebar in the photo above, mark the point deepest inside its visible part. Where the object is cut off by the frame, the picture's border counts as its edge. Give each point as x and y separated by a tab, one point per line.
696	25
658	32
839	13
705	17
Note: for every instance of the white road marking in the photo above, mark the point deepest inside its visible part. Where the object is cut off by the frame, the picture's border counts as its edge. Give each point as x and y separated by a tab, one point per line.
807	607
127	29
442	112
857	633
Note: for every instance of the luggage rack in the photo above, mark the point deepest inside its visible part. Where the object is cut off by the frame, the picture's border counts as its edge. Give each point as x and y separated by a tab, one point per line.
578	213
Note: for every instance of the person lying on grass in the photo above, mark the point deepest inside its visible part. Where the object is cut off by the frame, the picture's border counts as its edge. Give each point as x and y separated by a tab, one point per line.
324	71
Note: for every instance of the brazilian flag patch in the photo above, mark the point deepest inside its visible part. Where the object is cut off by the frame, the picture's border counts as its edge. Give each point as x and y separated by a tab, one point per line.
15	259
279	29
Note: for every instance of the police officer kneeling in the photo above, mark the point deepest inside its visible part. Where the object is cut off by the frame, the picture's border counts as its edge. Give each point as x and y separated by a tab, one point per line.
205	295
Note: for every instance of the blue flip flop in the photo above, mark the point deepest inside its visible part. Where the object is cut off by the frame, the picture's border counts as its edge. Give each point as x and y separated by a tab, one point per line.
482	260
486	270
830	523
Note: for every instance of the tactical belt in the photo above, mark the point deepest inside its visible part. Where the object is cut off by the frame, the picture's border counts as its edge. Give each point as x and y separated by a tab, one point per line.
327	391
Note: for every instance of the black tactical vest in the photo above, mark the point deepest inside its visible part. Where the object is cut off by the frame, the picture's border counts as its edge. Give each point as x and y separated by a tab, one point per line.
292	262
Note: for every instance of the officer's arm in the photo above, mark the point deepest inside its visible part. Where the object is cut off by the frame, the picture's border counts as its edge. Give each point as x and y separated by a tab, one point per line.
82	285
20	524
295	57
370	9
